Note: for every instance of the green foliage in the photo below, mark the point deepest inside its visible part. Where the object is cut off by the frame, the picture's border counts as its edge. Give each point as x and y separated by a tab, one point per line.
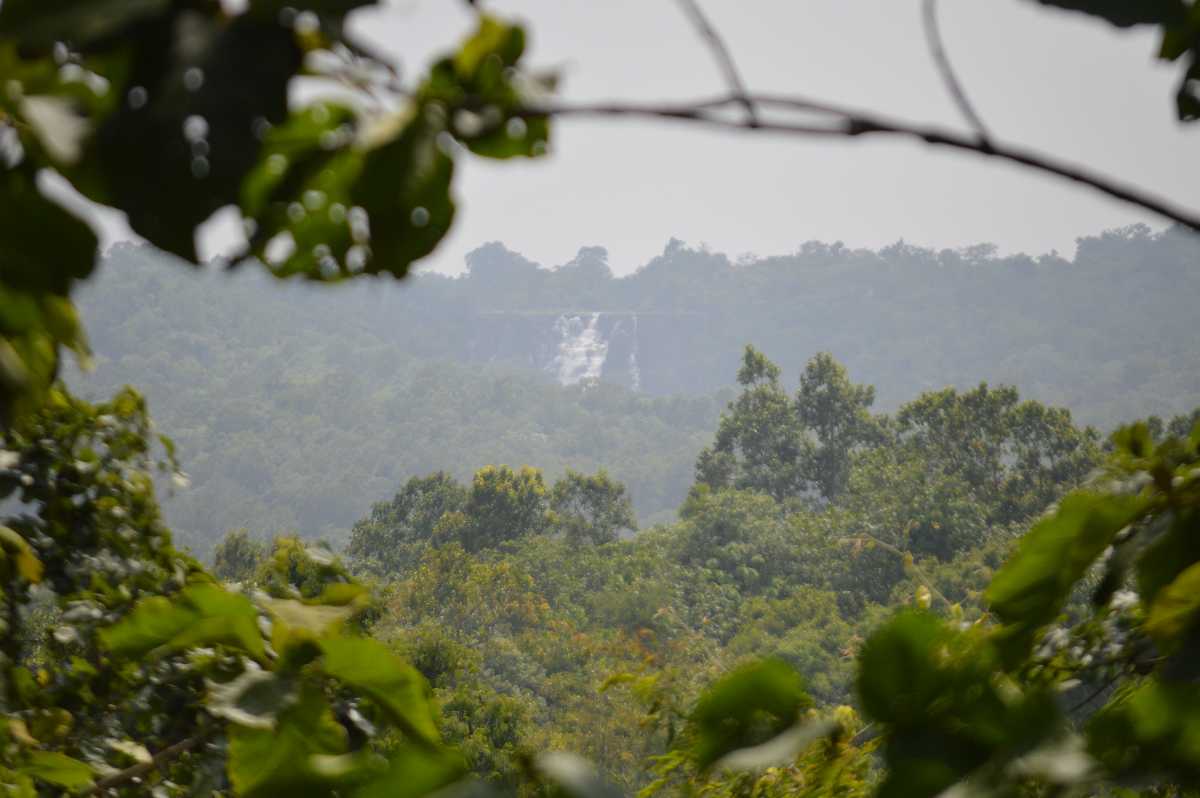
195	99
1179	21
392	537
837	412
759	445
591	509
975	707
237	557
743	708
144	652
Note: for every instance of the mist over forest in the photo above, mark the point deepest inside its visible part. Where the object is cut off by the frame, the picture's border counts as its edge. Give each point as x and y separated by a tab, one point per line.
296	407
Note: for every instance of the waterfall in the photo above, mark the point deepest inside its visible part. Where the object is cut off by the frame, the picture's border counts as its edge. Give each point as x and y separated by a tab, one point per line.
581	349
635	371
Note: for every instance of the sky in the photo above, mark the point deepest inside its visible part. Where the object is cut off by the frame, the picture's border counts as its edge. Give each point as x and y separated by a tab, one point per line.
1047	79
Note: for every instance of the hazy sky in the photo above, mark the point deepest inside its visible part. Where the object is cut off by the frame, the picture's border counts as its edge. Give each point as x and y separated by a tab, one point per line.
1056	81
1048	79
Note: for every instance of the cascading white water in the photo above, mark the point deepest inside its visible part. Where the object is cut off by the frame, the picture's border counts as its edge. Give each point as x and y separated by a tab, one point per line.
635	371
581	349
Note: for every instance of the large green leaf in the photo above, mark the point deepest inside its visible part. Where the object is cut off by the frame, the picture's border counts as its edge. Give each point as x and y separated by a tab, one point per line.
1029	591
200	615
253	699
1126	13
1151	732
303	755
414	772
1175	607
897	670
405	191
1168	555
573	776
58	769
77	22
945	715
397	688
745	708
482	83
43	247
205	94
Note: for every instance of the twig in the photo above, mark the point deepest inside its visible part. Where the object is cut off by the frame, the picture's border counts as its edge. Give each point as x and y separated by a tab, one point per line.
142	768
723	56
937	50
1094	695
851	124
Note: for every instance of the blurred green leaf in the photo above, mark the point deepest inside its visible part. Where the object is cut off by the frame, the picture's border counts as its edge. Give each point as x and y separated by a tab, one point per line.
28	566
413	772
208	91
1175	606
945	710
574	776
58	769
749	705
77	22
1029	591
200	615
1151	731
43	248
778	751
1126	13
299	757
396	687
254	699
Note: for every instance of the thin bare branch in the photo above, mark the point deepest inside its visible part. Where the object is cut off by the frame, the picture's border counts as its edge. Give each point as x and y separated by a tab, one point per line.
724	58
843	123
937	50
133	772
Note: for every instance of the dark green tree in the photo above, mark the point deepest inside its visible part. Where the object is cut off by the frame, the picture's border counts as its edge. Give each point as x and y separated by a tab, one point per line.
502	504
1016	457
838	414
237	557
760	444
592	509
391	538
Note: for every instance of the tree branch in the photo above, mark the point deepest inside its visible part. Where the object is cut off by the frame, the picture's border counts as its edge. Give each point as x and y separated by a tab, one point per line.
722	55
937	50
845	123
142	768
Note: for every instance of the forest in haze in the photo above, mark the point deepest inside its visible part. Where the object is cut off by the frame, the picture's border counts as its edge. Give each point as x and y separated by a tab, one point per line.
303	520
452	374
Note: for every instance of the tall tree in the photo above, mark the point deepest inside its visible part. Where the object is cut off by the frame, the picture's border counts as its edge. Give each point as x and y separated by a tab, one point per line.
760	445
838	413
591	508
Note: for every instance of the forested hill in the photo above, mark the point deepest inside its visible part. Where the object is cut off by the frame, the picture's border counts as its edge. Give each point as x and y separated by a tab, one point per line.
1108	333
295	408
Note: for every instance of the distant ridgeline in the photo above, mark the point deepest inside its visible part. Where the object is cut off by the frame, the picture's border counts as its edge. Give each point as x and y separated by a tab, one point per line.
1107	334
296	406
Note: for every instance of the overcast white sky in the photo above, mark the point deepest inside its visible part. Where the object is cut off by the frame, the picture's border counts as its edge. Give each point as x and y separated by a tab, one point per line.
1048	79
1059	82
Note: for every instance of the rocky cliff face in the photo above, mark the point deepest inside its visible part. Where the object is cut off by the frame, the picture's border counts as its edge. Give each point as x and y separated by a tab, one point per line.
645	352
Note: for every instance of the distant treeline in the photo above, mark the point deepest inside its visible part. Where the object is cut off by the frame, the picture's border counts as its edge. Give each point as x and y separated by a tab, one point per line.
1108	333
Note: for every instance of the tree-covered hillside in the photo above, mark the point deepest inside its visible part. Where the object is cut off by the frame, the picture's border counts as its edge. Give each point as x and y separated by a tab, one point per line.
294	409
1106	333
